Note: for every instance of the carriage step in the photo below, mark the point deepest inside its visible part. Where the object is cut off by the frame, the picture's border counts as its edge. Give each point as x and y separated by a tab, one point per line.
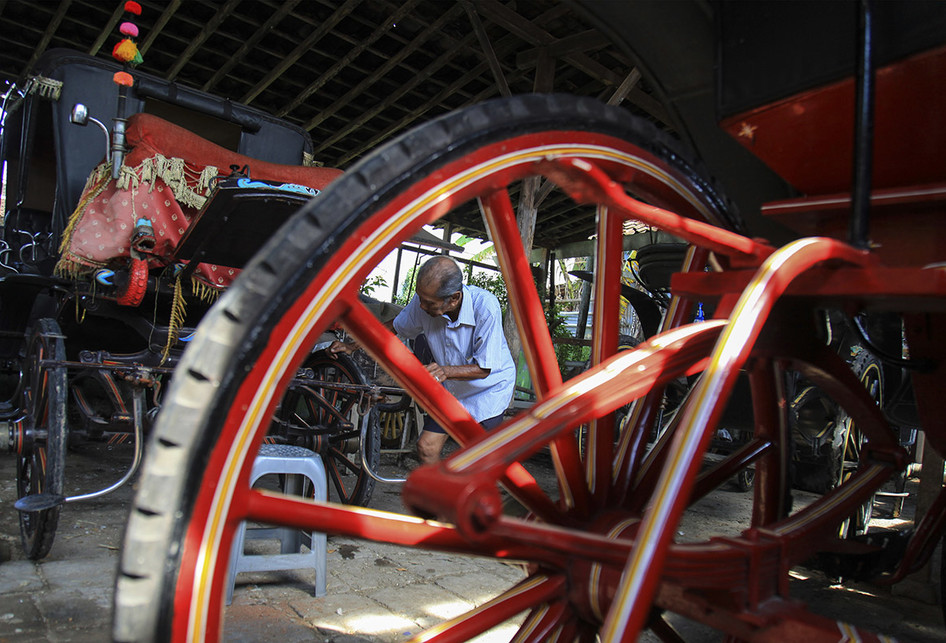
39	502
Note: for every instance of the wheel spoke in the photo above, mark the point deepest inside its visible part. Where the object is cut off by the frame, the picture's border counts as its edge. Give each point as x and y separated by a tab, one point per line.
535	590
401	364
600	455
770	425
382	526
617	381
320	407
335	475
703	410
537	347
500	219
545	624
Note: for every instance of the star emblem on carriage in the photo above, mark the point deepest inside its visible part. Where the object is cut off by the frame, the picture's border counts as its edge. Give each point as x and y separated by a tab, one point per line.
747	131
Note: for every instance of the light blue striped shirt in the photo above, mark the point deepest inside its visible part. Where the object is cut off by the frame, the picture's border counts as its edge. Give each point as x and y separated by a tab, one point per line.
476	337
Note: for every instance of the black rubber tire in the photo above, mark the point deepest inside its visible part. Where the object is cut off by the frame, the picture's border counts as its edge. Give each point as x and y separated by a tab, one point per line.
745	478
233	335
41	467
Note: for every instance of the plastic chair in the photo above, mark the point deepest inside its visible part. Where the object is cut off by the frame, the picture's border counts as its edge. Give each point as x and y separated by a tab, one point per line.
295	463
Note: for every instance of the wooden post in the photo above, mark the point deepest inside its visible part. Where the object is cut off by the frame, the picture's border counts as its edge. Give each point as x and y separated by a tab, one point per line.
525	217
528	199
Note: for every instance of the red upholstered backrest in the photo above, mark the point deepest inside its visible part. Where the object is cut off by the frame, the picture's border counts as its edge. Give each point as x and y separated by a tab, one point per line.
147	135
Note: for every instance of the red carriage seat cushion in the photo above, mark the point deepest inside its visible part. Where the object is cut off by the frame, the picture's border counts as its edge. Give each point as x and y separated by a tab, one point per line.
166	177
148	135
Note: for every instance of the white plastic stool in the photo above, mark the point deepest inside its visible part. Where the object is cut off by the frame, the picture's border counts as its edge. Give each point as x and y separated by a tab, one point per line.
295	463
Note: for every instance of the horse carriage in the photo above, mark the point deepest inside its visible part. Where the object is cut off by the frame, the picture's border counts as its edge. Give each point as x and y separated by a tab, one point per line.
842	145
847	121
111	255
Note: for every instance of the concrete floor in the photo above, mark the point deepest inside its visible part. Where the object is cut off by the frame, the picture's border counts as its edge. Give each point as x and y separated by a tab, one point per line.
376	592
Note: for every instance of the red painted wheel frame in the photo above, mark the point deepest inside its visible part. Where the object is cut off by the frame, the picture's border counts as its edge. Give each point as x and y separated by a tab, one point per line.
602	555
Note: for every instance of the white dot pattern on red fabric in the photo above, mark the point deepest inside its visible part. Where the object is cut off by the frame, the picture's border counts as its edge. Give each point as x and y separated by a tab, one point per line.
103	231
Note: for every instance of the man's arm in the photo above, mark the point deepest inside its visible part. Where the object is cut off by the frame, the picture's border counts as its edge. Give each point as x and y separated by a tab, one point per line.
351	345
457	372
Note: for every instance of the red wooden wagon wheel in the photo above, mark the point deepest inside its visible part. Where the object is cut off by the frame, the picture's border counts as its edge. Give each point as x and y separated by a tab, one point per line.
600	546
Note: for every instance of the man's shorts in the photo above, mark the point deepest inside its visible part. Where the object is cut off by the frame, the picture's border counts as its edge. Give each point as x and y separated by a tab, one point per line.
488	424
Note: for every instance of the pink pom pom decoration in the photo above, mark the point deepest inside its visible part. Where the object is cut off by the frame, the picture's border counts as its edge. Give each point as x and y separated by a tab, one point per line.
128	29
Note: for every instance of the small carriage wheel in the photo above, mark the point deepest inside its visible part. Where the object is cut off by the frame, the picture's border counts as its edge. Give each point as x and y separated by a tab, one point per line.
398	422
745	478
134	291
41	462
869	371
328	419
194	488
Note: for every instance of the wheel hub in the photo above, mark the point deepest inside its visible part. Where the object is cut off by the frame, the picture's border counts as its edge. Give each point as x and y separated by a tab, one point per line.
15	438
593	585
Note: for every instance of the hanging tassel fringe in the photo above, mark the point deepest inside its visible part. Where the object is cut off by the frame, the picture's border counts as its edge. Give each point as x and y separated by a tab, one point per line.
202	291
174	172
178	312
94	185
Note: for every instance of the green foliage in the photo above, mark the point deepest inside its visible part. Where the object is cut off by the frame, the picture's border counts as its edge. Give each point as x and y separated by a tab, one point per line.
372	283
407	288
564	353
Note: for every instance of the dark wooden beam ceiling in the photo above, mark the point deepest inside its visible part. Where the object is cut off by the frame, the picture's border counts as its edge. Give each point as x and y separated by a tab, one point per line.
354	73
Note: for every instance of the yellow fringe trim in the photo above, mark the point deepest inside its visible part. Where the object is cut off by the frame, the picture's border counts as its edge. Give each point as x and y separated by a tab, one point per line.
204	292
178	312
94	185
179	308
176	175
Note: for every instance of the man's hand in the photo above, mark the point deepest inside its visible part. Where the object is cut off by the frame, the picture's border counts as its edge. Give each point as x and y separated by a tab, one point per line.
338	347
437	371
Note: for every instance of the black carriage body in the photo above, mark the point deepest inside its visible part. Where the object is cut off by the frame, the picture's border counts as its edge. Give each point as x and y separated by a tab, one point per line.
65	314
49	159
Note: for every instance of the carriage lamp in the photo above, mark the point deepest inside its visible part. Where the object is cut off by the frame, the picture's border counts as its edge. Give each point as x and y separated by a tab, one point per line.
80	116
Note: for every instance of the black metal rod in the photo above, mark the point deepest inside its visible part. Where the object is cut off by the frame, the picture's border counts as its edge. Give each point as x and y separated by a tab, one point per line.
859	235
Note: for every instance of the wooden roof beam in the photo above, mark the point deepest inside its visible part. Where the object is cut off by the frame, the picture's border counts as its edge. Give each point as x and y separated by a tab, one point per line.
47	35
582	42
419	112
273	20
535	35
527	30
349	56
421	38
107	30
626	87
487	47
159	26
205	33
301	49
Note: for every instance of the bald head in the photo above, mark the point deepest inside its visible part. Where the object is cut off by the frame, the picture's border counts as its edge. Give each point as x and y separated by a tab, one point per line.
439	287
440	276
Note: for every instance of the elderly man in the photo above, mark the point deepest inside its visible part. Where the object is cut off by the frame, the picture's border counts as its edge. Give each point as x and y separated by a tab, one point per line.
464	329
